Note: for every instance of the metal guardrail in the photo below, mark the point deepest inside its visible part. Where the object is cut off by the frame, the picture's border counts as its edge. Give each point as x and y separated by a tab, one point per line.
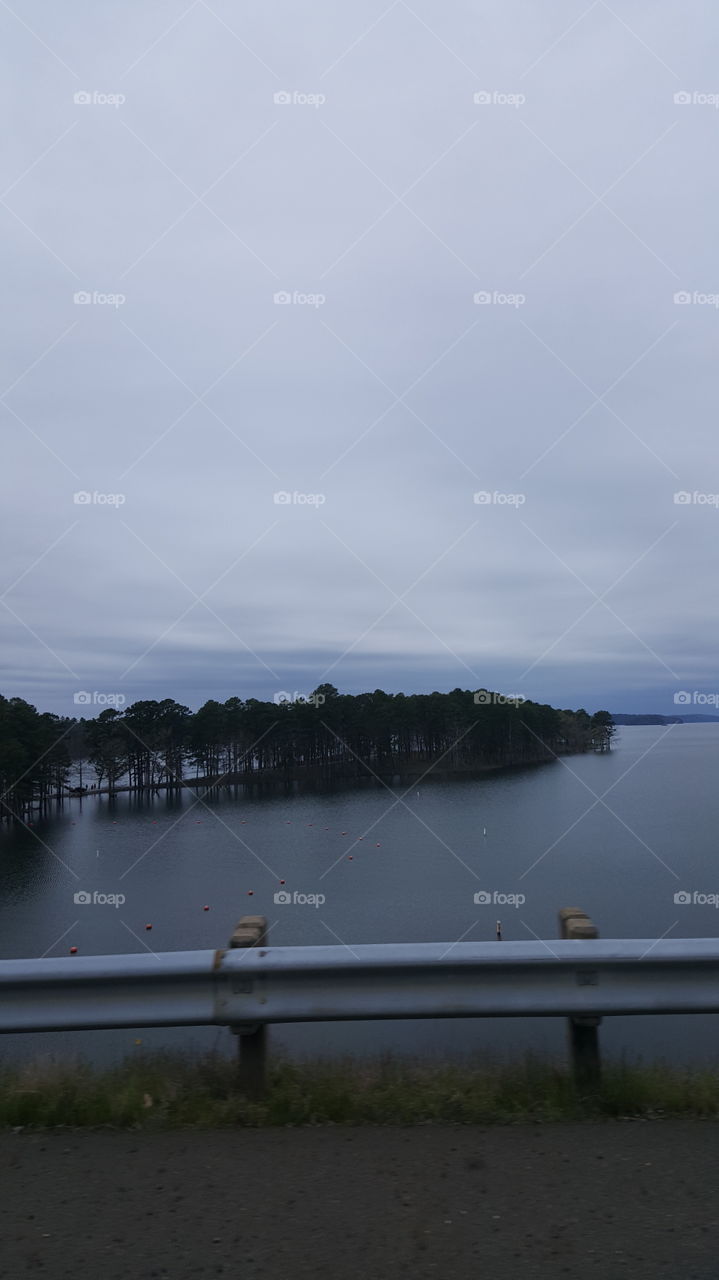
260	985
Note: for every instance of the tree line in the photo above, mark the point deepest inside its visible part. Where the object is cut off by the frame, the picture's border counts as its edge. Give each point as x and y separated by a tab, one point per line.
326	736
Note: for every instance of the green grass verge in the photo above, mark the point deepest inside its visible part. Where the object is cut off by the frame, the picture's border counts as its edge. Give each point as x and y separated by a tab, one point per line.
164	1090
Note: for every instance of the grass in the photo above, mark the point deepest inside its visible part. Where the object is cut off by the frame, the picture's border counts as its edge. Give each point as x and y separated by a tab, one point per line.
165	1090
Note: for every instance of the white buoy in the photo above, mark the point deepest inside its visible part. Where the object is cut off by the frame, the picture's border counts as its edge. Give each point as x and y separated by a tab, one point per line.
484	831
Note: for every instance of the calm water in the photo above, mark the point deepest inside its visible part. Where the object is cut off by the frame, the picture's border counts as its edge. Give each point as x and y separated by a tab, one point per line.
412	877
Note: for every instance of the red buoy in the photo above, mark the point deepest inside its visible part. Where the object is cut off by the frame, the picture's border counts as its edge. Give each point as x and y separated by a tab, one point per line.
73	951
148	926
205	908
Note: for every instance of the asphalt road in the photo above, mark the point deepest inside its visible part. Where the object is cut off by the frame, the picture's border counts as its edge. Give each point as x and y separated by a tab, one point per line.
634	1199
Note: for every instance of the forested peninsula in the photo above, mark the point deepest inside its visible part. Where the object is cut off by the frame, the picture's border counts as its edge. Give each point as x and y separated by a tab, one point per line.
324	738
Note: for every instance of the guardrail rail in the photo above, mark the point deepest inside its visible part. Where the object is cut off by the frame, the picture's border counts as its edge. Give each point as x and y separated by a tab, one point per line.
251	985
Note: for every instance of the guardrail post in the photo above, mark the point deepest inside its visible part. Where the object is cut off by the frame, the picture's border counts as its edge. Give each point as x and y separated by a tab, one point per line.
583	1030
251	931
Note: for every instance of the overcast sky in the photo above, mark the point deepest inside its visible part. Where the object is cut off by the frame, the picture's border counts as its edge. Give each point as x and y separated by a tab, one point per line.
576	193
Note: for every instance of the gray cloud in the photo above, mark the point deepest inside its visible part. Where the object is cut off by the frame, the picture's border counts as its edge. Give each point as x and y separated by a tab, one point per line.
397	396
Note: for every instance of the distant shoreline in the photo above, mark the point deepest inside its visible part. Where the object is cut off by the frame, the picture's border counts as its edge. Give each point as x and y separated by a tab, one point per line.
623	719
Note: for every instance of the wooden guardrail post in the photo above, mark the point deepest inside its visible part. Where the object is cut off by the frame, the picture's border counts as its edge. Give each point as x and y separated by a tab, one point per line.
574	924
251	931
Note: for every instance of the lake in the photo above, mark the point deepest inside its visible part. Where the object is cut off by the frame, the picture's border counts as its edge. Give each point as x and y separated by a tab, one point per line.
392	866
